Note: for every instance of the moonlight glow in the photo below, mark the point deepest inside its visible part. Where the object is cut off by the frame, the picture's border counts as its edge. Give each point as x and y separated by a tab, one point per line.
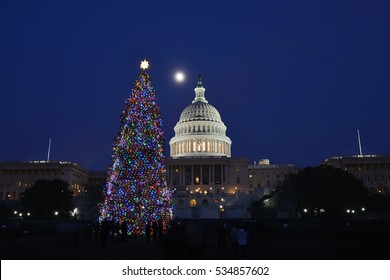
179	77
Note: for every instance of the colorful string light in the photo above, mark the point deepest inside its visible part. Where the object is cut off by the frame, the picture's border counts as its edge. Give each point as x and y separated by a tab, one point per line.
136	190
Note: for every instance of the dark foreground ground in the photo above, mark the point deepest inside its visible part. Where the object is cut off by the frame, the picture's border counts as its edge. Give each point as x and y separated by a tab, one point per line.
274	240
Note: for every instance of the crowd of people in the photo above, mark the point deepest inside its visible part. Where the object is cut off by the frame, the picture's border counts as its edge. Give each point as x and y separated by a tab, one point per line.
189	239
179	239
109	230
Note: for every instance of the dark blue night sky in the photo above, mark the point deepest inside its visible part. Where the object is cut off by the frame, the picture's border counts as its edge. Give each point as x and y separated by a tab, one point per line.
292	80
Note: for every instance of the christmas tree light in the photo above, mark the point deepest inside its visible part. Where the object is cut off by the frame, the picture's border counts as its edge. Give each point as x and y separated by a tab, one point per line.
136	191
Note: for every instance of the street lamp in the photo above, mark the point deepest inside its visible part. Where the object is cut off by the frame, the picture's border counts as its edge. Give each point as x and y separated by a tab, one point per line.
221	210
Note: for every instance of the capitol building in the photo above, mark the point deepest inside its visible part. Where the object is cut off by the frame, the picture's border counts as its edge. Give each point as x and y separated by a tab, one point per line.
207	181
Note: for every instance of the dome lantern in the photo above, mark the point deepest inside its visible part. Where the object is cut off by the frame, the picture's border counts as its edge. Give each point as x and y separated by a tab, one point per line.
199	91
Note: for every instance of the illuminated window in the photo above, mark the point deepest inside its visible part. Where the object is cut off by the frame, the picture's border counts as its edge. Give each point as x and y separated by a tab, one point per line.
192	202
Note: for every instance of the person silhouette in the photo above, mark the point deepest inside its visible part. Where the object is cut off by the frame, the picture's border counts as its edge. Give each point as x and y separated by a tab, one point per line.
147	230
234	235
154	228
124	231
160	230
105	231
221	232
242	241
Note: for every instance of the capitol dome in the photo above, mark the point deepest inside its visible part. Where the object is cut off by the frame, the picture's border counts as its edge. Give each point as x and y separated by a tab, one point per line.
200	130
200	111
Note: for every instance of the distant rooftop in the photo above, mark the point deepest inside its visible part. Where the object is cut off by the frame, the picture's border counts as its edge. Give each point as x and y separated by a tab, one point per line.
358	156
39	162
265	163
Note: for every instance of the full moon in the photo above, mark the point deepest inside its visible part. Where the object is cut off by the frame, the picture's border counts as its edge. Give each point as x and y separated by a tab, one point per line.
179	77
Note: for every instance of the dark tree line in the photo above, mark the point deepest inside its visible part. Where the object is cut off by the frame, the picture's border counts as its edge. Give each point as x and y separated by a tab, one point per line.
324	191
46	197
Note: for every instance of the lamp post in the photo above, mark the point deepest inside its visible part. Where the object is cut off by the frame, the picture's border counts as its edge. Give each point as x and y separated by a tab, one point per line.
222	208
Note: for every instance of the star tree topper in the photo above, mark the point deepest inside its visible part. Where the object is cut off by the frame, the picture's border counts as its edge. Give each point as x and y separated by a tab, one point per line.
144	64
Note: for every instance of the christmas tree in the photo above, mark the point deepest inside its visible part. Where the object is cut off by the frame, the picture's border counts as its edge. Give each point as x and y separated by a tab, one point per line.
136	191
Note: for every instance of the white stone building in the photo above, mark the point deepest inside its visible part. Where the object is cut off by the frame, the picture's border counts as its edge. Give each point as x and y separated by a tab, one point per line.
208	183
372	170
16	177
265	177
